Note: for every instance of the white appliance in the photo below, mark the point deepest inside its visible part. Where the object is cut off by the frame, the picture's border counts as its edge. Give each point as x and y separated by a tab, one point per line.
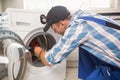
26	24
14	57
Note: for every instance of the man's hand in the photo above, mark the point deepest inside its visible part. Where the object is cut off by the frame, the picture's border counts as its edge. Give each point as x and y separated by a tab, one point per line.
38	50
41	54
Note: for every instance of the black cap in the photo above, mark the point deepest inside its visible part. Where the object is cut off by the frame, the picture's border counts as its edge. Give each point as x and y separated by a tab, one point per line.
56	14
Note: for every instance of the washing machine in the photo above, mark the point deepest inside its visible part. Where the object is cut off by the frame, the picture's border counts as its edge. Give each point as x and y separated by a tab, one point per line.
14	57
27	25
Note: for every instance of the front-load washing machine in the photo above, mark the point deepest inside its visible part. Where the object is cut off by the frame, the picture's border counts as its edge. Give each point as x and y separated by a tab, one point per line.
14	57
27	25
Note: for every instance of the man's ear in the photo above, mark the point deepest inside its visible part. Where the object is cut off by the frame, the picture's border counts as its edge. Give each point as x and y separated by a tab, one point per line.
62	22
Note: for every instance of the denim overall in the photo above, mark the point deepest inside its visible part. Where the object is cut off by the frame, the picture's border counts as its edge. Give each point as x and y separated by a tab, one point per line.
92	68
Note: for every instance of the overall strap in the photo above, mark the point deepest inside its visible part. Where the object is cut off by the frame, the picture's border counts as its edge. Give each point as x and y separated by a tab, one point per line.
100	21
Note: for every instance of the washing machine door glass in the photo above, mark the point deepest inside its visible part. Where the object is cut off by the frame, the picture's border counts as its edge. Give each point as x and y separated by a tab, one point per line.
43	40
13	57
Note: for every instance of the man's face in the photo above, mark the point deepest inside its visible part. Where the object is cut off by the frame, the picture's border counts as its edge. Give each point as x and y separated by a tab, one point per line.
58	28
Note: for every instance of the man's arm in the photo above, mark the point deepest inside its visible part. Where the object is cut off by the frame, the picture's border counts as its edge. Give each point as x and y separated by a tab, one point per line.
42	57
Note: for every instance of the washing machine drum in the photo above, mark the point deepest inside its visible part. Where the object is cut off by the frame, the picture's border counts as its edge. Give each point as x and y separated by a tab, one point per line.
13	56
43	40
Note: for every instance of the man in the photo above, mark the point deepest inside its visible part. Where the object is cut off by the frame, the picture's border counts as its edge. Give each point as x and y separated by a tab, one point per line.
97	37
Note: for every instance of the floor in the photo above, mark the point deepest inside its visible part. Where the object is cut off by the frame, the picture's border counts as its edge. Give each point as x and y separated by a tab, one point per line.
72	74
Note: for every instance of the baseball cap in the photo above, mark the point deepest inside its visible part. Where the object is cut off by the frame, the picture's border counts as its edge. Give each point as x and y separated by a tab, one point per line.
56	14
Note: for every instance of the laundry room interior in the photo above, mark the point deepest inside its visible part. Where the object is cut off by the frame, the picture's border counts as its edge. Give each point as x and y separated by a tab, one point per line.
22	29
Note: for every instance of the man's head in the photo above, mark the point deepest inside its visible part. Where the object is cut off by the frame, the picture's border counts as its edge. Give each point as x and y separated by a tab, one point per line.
58	18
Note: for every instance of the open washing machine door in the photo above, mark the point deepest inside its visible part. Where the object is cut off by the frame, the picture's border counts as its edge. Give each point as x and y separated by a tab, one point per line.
38	70
13	56
39	38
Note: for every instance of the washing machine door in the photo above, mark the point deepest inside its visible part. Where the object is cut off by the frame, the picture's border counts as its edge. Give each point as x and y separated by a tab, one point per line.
39	38
13	56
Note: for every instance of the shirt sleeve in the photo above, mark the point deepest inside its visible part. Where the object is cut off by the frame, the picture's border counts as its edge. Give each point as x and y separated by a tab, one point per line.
73	36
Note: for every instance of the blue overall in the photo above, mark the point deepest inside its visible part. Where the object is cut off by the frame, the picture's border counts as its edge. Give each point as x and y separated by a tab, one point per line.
92	68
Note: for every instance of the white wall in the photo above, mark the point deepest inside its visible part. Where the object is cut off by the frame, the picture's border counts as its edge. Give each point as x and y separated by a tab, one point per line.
19	3
12	4
36	4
